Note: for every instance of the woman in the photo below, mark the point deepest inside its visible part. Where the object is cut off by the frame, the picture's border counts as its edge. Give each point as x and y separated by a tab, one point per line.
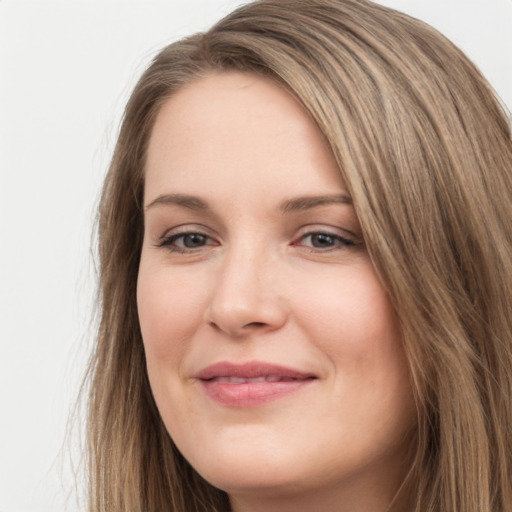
306	268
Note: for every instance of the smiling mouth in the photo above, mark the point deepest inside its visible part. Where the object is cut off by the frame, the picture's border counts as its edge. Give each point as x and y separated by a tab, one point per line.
251	384
263	378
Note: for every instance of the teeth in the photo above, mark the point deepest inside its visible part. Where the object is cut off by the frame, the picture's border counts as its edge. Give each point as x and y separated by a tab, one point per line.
244	380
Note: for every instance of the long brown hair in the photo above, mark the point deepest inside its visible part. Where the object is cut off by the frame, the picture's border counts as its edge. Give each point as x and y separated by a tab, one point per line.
425	149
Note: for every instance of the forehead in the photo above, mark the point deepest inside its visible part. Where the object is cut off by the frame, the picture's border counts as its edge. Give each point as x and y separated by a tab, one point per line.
234	132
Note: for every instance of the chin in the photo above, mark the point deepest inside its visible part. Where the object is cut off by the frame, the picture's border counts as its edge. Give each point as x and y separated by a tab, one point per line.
252	468
260	480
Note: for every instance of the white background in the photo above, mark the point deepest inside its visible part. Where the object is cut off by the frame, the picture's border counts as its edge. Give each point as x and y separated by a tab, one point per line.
66	69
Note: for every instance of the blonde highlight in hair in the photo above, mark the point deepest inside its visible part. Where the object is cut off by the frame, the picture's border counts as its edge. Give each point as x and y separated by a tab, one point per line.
425	149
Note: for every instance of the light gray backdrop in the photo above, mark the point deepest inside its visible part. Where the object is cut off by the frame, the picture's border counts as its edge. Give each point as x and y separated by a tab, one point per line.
66	69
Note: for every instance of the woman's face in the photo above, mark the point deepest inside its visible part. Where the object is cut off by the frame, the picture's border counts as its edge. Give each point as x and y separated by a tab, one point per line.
272	349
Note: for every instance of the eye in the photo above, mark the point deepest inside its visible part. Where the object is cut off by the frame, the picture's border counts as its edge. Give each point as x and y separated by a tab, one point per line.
186	241
325	241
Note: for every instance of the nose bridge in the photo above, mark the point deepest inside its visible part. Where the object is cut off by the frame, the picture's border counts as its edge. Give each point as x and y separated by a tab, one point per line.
245	298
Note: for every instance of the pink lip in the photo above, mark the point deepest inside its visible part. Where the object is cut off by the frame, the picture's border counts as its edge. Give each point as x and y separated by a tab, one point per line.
250	384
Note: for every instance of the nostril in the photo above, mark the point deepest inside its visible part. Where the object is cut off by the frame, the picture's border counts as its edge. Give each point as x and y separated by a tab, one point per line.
255	325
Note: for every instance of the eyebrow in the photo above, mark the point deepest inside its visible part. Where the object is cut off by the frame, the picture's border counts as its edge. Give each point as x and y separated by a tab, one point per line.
290	205
191	202
308	202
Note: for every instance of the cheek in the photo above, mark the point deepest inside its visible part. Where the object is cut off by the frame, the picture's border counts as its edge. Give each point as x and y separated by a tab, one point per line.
348	310
350	319
169	313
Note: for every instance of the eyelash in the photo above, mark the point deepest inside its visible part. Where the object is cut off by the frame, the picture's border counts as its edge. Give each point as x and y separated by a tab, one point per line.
169	242
338	242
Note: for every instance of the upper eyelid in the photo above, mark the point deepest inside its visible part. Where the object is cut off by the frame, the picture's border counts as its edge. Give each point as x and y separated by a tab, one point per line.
301	231
328	230
184	229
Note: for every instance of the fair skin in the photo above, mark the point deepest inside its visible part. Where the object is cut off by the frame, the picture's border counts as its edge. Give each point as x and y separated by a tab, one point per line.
272	349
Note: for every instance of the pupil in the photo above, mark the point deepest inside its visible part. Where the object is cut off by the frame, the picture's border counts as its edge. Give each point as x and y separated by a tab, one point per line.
322	240
194	240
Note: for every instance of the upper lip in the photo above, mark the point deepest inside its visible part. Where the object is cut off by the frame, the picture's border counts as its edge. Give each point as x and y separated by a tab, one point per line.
251	370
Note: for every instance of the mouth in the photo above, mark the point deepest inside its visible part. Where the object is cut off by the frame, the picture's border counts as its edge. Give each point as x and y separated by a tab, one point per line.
251	384
244	380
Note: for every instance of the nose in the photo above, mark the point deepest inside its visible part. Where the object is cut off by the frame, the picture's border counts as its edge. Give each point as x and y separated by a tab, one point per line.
246	298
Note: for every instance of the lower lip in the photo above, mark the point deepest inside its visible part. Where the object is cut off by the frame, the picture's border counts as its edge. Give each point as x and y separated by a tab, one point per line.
251	394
